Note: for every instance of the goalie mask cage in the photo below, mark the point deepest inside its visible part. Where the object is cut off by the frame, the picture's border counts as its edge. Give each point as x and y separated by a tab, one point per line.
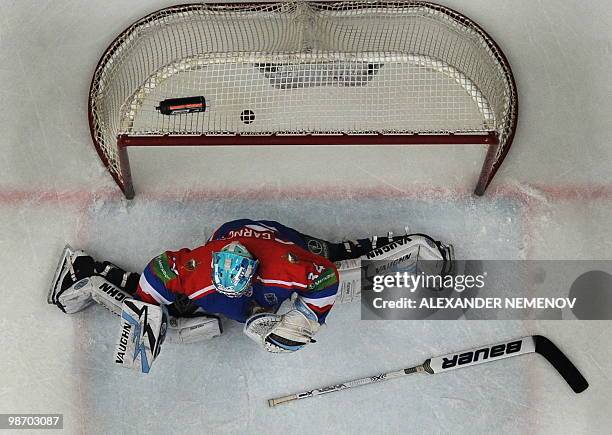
304	73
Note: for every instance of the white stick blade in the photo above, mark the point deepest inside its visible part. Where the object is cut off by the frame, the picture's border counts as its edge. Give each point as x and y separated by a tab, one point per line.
481	355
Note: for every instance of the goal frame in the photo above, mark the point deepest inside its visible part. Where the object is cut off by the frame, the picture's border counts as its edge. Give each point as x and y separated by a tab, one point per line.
494	157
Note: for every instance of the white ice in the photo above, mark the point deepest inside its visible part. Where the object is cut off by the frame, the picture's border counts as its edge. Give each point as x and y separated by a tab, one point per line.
551	200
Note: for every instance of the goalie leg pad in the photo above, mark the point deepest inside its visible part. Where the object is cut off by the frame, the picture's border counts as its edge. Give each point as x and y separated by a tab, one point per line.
405	251
143	329
415	252
421	244
83	293
79	280
108	295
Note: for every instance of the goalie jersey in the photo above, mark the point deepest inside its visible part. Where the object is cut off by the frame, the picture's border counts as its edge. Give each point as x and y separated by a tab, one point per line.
286	267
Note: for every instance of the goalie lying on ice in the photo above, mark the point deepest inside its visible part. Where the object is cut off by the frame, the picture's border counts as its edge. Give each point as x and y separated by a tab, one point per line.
245	272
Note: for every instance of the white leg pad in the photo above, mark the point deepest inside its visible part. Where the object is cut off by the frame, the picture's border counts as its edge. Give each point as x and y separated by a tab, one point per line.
108	295
406	250
143	329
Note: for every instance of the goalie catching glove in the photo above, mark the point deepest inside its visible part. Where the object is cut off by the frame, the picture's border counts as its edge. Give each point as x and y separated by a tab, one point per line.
284	333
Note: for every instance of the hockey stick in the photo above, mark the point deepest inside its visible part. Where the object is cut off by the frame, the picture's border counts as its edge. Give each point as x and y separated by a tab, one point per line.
521	346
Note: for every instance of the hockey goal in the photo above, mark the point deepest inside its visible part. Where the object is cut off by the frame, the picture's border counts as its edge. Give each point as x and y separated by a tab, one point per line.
302	73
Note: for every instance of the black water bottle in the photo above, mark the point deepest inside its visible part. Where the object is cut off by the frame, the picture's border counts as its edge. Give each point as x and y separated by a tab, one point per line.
177	106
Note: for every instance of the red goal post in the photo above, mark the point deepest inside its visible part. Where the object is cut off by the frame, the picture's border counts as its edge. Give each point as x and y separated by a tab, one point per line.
303	73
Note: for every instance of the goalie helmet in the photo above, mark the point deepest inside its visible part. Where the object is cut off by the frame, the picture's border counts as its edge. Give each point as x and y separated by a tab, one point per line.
233	269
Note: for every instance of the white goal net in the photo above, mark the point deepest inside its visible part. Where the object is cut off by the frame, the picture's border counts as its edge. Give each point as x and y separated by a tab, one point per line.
301	68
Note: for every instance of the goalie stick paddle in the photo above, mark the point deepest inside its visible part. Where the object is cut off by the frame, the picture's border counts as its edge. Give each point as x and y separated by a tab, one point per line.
521	346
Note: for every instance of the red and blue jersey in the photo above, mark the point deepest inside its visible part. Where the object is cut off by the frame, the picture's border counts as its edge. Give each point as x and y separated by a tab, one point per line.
285	267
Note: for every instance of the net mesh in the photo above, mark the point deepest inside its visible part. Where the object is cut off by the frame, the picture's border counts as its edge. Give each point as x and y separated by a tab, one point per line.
302	68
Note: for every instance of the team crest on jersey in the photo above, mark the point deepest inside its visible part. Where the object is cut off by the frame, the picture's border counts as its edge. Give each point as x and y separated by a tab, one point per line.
192	264
271	298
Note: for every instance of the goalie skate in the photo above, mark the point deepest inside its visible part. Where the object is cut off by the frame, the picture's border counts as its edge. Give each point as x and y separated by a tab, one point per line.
62	269
71	287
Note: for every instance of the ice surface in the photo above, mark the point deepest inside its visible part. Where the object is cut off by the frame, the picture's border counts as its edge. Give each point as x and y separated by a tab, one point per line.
552	199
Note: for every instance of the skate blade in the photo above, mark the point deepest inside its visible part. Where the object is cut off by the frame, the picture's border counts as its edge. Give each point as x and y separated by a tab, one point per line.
66	254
